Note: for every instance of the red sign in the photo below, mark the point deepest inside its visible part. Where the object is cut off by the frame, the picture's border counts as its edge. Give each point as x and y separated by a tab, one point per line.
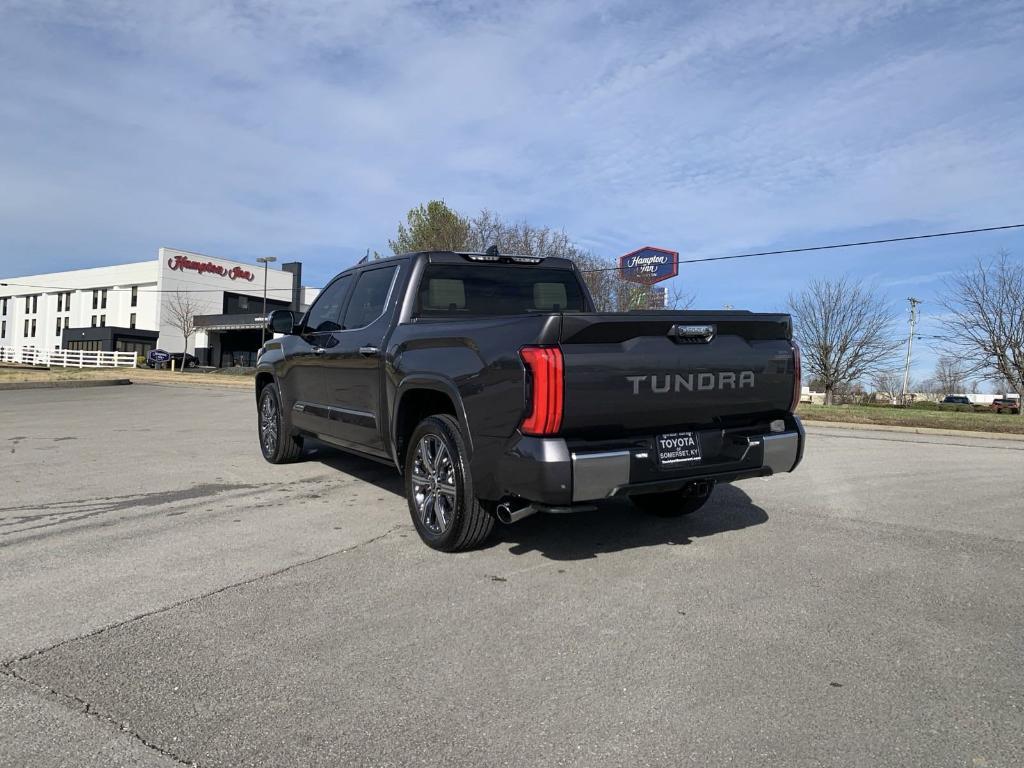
649	265
202	267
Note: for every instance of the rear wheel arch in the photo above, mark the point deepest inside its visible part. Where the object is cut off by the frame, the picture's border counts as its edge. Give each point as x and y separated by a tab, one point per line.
416	401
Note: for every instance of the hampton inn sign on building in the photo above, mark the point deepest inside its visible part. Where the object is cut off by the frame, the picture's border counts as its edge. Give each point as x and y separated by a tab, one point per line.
125	307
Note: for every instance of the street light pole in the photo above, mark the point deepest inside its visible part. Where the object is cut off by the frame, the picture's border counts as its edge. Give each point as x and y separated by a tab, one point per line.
265	260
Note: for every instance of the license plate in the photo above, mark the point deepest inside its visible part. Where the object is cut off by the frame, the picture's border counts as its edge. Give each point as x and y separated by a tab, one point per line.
678	448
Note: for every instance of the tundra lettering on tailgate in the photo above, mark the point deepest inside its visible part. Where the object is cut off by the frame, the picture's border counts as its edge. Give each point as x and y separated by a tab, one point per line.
699	382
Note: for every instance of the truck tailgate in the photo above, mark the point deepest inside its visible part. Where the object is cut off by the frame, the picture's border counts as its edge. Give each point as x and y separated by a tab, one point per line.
641	372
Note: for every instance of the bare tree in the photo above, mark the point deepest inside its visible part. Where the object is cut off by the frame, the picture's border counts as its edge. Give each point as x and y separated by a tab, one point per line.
180	312
888	382
949	377
984	323
844	330
926	388
610	292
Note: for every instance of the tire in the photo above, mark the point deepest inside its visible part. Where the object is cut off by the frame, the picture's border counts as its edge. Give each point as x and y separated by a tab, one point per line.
278	444
439	488
685	501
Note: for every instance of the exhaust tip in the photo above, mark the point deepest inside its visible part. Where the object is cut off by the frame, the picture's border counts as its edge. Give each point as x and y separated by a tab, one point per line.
507	514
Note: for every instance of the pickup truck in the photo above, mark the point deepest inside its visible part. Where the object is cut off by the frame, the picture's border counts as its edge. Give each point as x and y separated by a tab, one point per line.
1005	405
496	390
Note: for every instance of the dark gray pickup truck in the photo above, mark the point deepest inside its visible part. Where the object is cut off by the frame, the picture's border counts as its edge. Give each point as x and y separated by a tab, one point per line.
497	391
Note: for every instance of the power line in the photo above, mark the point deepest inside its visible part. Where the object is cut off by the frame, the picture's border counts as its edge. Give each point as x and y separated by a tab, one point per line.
781	252
833	246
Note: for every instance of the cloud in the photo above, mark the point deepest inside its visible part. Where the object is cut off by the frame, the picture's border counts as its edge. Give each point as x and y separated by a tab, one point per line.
308	128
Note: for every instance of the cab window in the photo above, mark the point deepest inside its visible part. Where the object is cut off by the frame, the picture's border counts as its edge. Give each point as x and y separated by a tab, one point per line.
325	314
368	297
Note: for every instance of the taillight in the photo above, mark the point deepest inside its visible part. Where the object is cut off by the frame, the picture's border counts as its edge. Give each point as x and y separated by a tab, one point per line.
796	376
544	365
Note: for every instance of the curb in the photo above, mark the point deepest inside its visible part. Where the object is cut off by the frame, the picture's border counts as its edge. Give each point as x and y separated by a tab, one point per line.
913	430
69	384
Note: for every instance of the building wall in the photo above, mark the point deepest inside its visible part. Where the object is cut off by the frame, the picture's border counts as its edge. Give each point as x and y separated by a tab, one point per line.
118	280
204	288
157	280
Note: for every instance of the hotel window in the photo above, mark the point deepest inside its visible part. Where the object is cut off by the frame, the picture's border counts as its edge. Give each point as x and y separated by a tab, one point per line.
103	321
67	321
3	328
35	304
131	320
135	297
94	321
95	299
58	326
60	302
3	311
28	304
103	300
33	327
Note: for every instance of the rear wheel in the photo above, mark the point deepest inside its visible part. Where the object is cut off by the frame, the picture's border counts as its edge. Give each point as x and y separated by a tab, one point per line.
685	501
439	488
277	441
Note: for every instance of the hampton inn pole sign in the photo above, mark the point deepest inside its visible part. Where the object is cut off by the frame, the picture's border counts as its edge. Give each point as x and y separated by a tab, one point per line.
649	265
202	267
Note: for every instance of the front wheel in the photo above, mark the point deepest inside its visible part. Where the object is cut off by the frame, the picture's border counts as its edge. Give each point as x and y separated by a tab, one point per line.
685	501
439	488
277	442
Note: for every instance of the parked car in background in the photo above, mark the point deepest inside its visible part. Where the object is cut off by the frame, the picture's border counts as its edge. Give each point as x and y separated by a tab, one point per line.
160	358
956	400
1005	405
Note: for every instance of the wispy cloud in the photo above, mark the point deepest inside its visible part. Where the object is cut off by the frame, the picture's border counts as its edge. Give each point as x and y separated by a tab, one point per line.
919	279
308	128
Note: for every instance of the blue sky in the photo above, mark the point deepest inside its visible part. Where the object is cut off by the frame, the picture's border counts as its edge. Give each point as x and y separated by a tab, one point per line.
306	129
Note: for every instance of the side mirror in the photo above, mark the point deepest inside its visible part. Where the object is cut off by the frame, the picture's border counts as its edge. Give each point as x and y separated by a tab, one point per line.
283	321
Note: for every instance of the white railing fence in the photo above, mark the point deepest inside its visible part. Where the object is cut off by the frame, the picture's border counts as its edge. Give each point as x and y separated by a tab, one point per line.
68	358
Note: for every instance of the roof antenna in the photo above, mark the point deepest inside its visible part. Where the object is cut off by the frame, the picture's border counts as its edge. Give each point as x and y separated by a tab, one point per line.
492	251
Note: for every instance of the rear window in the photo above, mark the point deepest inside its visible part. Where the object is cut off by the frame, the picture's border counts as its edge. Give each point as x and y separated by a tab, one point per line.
449	290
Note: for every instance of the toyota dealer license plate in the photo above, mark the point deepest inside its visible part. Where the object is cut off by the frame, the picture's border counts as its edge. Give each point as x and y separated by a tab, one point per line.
678	448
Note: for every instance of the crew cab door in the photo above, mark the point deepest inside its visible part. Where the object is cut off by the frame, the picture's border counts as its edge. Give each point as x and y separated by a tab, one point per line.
352	362
302	380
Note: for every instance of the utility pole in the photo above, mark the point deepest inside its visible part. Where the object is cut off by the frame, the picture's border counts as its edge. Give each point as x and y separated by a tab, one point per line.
910	345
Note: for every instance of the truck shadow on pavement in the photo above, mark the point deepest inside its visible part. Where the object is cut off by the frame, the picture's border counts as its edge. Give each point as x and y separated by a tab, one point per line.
614	526
617	525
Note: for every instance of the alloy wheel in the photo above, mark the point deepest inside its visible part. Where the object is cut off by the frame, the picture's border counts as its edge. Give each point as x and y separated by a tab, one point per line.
269	424
433	484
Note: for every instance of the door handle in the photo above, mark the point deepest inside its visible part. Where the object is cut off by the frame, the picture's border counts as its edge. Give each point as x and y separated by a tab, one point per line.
369	351
318	351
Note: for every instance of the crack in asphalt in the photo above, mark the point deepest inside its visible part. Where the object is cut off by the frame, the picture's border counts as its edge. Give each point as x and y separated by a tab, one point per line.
74	702
203	596
7	667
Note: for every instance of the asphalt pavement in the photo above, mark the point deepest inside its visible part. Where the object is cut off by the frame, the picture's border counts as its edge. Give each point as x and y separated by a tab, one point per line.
170	599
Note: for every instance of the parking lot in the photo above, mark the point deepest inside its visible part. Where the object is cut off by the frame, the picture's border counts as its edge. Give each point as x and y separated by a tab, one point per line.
171	599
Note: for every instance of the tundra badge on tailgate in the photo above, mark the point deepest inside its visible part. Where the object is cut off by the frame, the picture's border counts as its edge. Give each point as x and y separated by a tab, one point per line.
690	382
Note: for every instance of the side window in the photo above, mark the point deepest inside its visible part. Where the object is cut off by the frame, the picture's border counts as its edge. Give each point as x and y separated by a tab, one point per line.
368	297
325	313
